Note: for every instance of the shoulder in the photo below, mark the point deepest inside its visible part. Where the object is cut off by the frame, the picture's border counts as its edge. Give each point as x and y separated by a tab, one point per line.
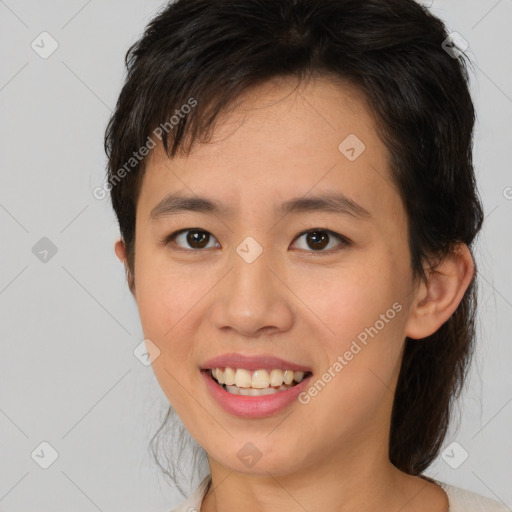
462	500
193	502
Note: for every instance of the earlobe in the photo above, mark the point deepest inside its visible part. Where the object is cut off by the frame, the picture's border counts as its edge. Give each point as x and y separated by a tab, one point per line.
439	297
120	249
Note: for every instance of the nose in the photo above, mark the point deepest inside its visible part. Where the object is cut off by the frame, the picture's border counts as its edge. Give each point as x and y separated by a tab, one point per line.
253	299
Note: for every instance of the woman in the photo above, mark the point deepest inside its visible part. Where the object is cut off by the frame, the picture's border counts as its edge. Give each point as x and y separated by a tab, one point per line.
294	186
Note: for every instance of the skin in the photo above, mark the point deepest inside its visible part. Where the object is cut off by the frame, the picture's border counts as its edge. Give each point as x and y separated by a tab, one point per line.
281	142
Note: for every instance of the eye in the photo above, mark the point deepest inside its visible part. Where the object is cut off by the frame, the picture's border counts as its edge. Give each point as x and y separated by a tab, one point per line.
195	237
319	239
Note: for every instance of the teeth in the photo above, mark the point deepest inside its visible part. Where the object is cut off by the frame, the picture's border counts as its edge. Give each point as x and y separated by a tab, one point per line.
243	379
218	375
229	376
260	379
250	391
276	377
288	377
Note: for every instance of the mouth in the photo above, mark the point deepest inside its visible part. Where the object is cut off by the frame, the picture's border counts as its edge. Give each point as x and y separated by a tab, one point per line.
239	381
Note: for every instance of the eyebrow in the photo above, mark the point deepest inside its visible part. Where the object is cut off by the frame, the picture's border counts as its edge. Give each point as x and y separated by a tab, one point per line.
333	202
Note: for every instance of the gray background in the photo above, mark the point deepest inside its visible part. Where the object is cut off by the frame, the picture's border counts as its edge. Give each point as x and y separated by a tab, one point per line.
69	326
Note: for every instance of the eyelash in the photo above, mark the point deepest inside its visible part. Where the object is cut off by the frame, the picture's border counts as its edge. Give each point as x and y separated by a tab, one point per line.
345	242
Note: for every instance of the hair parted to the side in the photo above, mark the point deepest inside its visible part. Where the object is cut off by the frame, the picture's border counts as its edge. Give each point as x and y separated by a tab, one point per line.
391	50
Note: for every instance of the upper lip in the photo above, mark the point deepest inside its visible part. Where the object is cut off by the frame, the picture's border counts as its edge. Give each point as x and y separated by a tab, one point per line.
255	362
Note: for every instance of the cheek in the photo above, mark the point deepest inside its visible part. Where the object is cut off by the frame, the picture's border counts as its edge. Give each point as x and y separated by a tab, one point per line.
354	389
169	304
344	301
166	292
360	317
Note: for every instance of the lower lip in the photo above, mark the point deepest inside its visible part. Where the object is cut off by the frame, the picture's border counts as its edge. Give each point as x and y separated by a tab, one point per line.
253	406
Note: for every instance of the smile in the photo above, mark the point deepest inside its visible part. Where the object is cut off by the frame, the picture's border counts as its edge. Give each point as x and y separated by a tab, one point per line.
239	381
250	402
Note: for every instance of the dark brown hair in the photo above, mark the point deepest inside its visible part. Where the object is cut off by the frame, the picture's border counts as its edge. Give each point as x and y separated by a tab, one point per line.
391	50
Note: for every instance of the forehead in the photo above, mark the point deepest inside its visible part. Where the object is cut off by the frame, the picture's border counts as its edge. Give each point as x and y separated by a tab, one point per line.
280	141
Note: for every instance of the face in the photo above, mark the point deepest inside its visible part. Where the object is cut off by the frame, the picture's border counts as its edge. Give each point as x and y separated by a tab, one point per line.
326	288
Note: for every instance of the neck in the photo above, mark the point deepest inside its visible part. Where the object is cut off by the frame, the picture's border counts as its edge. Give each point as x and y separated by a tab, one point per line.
360	484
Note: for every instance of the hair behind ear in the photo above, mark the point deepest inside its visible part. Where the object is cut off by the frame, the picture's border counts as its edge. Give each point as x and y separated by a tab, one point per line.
431	379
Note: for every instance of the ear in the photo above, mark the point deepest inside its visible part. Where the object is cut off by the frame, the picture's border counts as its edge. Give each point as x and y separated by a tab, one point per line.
438	298
120	249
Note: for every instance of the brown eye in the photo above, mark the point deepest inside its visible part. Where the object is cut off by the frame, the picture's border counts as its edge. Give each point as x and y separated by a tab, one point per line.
197	239
318	239
191	239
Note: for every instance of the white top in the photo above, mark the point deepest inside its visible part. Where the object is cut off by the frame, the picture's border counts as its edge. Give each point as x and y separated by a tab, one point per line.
459	499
